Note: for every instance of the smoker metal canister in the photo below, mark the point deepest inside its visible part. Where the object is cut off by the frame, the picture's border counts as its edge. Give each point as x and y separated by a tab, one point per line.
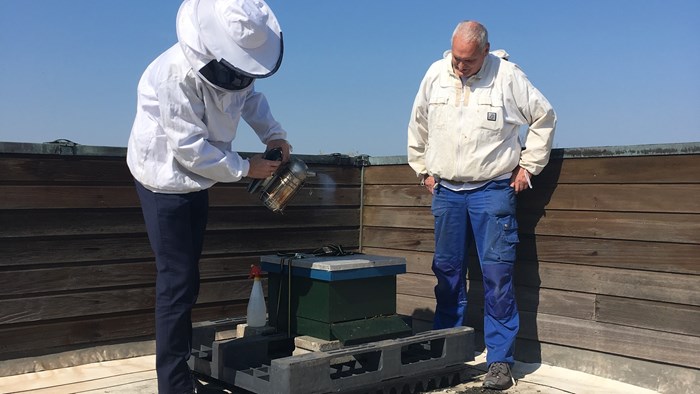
284	184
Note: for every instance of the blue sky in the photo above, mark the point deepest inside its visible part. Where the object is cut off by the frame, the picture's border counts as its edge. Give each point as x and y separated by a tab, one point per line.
619	72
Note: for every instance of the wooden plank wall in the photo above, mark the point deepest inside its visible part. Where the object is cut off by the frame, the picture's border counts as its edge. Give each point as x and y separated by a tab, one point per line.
76	268
608	258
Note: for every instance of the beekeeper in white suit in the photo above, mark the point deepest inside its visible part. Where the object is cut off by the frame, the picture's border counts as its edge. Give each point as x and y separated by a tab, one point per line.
190	100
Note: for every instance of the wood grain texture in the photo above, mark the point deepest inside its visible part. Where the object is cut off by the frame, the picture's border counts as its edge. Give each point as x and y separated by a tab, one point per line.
636	255
64	222
618	197
633	255
629	170
419	218
77	267
644	285
532	299
113	170
71	250
416	262
92	197
601	337
624	170
660	316
541	300
654	227
673	228
607	259
85	277
42	169
409	239
635	342
421	308
671	198
67	196
412	195
114	301
44	337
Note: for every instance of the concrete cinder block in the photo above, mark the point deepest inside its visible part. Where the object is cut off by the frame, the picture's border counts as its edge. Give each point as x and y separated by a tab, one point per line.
262	363
242	353
365	365
311	344
243	330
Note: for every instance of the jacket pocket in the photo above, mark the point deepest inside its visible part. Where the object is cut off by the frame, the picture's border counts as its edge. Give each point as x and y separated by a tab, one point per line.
438	112
490	113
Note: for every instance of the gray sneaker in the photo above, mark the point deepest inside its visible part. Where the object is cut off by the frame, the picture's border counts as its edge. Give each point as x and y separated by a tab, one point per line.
498	377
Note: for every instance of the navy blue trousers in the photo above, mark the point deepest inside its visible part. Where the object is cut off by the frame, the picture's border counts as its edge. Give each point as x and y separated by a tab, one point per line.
175	225
486	217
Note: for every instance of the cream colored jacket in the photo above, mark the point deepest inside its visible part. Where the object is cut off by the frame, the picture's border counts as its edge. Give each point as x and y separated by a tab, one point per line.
470	132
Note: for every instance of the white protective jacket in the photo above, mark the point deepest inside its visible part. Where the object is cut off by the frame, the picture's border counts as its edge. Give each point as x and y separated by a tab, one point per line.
181	137
469	132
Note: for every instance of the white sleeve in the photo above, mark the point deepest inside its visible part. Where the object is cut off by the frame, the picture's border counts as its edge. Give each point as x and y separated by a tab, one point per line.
541	120
181	112
418	129
256	112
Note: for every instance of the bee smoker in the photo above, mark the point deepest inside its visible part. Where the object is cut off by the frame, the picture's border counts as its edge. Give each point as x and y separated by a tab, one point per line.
277	190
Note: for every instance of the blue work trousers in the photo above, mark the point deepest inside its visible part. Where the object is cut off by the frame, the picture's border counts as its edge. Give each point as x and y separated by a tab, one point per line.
175	225
485	216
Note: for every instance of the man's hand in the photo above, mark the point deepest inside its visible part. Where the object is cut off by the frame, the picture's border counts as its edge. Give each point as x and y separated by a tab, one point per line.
282	144
520	180
261	168
429	183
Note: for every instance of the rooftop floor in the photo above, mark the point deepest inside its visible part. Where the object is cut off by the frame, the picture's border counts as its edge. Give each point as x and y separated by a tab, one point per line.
137	376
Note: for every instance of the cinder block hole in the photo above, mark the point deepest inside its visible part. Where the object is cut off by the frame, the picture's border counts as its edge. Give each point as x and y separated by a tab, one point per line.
422	351
356	364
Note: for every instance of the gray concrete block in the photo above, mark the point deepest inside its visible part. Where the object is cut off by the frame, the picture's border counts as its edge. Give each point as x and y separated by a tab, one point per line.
305	344
263	363
243	330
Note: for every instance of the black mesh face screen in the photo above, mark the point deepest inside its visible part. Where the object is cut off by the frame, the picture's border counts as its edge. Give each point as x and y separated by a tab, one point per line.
225	77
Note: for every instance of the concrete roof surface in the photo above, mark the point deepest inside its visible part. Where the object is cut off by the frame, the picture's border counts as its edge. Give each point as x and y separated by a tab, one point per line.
137	376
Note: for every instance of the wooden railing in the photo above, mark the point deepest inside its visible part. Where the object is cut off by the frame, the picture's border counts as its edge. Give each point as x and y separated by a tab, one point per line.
607	278
76	267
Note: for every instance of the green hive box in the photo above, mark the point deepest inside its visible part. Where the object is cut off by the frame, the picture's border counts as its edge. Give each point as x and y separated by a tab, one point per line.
348	298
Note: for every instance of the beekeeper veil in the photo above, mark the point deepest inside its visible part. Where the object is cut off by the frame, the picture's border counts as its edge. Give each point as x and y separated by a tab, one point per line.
230	42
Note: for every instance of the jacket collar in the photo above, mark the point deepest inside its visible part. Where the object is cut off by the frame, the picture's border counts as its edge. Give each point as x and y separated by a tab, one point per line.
486	74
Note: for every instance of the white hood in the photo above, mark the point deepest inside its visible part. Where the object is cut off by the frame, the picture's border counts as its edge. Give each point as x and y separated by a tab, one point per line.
245	33
188	37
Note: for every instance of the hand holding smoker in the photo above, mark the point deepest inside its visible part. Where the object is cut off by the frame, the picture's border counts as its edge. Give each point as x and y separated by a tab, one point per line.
277	190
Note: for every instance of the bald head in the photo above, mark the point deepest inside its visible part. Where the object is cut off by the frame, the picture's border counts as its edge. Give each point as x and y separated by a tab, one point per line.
470	46
471	31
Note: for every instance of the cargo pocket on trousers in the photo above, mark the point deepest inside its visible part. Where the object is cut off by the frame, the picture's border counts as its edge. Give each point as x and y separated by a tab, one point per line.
508	241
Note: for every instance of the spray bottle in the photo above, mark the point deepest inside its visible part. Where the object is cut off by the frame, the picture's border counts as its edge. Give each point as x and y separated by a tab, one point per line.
257	311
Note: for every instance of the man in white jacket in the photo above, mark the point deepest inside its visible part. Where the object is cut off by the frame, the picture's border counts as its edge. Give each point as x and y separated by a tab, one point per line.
190	101
464	145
